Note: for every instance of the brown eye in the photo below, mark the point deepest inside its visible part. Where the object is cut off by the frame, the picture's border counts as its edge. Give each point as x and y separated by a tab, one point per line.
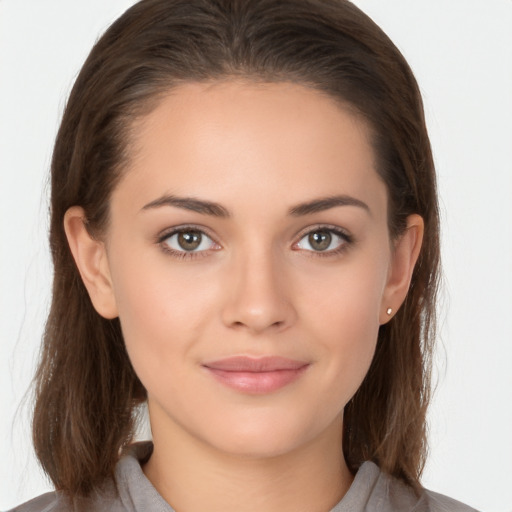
327	240
189	240
320	240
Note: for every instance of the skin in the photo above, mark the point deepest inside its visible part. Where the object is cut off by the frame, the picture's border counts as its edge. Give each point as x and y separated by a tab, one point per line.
256	287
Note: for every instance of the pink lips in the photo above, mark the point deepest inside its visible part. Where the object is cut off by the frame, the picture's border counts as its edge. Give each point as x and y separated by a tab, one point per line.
256	375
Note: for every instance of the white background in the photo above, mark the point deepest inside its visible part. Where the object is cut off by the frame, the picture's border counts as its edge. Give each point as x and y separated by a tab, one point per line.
461	52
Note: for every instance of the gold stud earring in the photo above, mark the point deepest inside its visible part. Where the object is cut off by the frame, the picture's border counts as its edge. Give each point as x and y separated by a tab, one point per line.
389	311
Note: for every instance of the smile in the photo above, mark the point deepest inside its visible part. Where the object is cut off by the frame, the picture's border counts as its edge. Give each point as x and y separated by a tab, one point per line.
256	375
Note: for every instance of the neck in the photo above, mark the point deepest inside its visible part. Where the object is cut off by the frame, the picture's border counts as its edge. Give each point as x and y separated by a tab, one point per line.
194	477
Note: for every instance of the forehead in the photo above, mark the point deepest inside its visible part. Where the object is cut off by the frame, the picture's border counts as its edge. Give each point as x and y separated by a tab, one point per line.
228	137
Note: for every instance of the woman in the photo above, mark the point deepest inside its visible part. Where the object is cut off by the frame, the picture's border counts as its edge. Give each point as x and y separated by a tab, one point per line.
245	235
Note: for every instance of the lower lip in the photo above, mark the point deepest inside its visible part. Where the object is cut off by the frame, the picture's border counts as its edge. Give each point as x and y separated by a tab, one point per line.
257	382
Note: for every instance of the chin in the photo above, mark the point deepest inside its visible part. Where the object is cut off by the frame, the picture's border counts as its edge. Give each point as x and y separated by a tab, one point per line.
264	438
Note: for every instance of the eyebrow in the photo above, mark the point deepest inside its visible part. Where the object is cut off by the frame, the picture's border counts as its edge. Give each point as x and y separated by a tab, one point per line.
326	203
189	203
217	210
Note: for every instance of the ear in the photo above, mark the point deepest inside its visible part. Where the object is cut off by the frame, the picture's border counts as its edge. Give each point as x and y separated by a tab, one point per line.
91	259
403	259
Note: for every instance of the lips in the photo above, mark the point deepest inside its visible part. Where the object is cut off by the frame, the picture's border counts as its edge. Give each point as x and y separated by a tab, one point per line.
256	375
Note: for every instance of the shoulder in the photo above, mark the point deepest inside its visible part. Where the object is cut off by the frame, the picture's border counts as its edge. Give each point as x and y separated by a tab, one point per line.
403	497
55	501
49	502
375	491
440	503
127	492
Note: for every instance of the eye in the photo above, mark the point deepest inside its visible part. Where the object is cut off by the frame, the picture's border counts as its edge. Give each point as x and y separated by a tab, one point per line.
323	240
188	240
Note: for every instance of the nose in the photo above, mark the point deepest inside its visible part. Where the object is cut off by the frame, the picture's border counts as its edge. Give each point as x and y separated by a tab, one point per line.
257	296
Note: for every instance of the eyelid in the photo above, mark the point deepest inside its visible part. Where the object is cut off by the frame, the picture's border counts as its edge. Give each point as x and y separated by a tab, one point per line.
337	230
169	232
325	227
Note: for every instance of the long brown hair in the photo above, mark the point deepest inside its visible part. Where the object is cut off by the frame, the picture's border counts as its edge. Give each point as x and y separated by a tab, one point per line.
85	387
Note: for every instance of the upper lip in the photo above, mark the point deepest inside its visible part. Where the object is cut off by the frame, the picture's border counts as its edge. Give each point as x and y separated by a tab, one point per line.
255	364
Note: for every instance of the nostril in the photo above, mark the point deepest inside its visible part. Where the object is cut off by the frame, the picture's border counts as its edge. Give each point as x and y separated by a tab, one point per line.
258	310
241	324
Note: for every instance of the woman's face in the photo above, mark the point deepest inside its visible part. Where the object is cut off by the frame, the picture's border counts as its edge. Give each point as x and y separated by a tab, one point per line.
249	260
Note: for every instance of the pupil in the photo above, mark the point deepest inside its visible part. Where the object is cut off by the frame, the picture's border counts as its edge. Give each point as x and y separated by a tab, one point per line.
189	240
320	240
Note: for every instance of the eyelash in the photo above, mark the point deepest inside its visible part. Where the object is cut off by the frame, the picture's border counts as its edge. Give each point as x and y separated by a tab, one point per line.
184	255
348	240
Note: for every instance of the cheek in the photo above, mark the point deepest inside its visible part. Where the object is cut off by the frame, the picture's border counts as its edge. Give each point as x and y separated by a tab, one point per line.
345	319
347	298
162	310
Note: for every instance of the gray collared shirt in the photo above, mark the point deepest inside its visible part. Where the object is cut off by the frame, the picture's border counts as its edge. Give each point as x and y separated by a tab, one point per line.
371	491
